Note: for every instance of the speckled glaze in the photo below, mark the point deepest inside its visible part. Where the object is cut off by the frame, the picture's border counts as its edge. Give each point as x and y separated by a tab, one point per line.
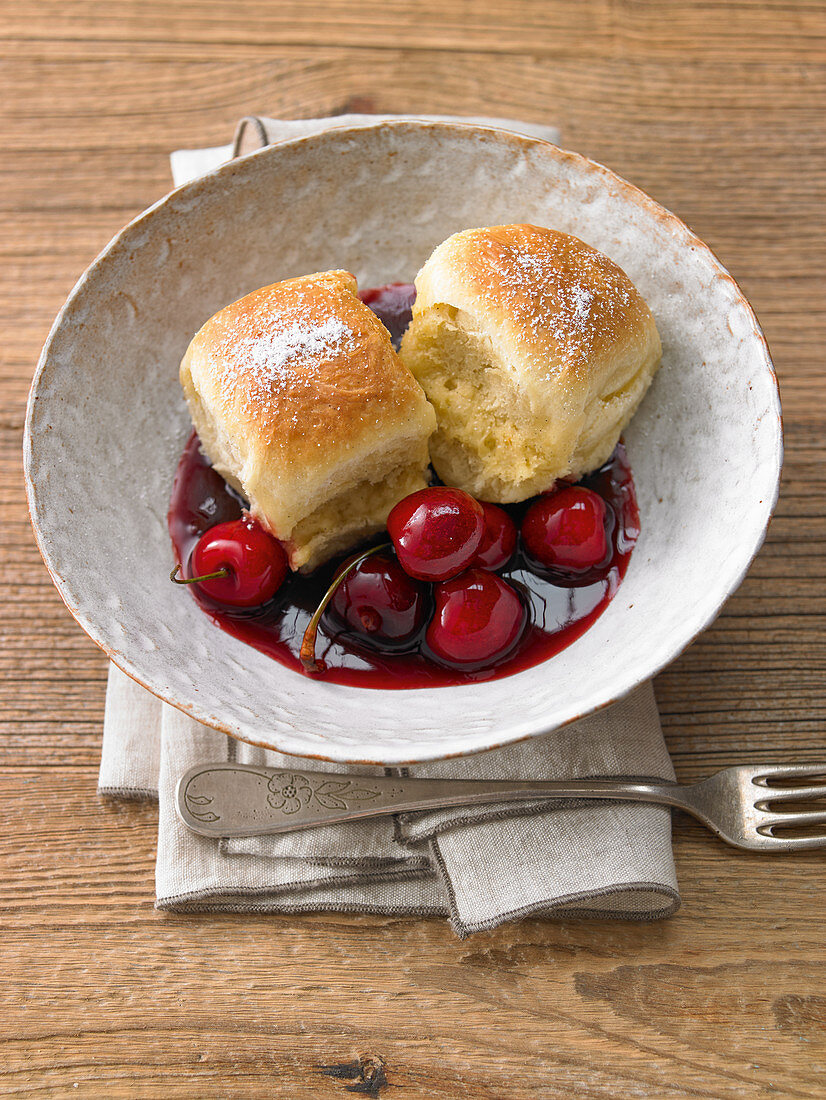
106	424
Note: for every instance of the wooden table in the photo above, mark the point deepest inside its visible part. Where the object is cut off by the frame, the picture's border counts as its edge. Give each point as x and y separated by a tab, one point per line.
716	109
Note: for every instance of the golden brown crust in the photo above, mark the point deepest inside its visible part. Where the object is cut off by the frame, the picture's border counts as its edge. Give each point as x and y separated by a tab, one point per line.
293	388
302	363
557	295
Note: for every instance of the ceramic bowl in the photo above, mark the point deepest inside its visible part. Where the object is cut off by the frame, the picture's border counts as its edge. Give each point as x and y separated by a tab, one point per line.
106	424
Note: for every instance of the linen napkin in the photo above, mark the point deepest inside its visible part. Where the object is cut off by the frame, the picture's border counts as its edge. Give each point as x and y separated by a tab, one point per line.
479	866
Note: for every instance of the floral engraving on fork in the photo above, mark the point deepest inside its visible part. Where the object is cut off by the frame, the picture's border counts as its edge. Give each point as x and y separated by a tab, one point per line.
289	791
201	800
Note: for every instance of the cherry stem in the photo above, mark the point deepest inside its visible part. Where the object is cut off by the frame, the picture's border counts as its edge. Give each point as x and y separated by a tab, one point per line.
308	644
173	576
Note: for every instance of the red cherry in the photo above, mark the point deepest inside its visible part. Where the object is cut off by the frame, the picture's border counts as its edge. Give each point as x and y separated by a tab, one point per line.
436	532
498	541
379	600
479	618
393	305
567	530
255	563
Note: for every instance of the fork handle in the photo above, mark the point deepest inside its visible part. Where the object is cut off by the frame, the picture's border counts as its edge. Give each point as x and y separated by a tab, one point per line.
227	800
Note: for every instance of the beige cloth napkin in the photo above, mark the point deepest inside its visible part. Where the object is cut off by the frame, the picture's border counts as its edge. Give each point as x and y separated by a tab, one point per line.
480	865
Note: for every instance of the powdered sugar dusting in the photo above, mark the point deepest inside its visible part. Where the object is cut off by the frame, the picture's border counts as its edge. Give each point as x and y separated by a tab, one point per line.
582	300
563	289
277	351
270	356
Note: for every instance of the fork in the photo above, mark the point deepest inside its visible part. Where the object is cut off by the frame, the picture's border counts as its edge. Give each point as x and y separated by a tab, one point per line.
742	805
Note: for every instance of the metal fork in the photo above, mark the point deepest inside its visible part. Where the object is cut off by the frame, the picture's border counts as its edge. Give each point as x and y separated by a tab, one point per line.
742	805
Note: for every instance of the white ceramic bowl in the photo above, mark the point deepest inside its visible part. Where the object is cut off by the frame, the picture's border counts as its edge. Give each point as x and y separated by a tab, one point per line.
106	424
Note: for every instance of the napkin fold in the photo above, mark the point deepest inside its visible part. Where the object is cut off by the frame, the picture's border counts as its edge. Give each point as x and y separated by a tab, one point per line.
480	865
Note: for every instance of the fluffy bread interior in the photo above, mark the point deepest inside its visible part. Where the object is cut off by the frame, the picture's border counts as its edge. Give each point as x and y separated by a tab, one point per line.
485	441
358	508
534	350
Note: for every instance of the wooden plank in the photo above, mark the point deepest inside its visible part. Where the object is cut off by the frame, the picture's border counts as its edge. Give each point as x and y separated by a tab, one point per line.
679	100
747	29
538	995
717	110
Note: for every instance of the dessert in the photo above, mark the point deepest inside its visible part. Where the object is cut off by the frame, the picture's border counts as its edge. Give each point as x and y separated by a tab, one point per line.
303	406
315	440
381	603
535	350
559	607
436	532
499	540
479	618
568	531
237	564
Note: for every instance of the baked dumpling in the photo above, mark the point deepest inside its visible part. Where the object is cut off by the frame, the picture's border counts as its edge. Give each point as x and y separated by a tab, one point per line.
535	350
304	407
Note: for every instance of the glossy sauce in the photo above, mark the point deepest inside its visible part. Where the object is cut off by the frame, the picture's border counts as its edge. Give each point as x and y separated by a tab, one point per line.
559	610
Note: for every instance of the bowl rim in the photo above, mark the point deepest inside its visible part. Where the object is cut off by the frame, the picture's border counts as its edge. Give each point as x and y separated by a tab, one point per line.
645	671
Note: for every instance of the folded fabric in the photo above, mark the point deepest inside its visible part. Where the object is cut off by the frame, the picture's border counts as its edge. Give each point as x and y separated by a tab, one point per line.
478	865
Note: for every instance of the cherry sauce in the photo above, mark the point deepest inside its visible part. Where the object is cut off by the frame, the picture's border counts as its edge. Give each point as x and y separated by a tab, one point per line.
560	610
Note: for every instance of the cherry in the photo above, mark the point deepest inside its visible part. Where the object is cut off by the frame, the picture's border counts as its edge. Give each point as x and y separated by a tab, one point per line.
436	532
381	602
253	563
568	530
498	541
393	305
479	618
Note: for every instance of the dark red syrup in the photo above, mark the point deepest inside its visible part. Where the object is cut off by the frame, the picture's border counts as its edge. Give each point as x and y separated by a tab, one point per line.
393	305
559	610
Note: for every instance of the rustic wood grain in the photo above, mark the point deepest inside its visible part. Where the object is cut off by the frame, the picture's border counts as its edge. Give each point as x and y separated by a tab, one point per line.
717	110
